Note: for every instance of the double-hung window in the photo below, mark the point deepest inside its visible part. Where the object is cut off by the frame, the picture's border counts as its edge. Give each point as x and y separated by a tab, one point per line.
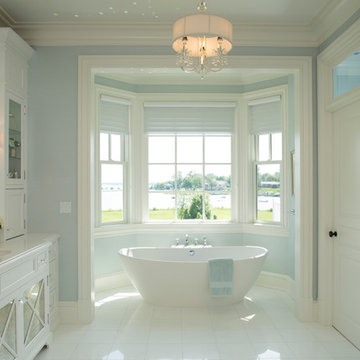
265	123
189	161
112	171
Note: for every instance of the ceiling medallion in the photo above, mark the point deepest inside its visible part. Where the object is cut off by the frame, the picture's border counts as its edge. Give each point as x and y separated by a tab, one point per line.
202	41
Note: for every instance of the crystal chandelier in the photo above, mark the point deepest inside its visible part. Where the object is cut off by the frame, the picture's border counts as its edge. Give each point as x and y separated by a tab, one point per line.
202	41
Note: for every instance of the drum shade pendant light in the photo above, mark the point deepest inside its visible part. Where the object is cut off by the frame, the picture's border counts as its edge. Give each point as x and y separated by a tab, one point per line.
202	41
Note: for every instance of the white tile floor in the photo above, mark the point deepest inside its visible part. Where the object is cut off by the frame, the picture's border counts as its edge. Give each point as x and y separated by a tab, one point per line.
261	327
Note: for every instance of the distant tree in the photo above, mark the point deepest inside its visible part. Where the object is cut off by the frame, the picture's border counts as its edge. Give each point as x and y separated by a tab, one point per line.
194	209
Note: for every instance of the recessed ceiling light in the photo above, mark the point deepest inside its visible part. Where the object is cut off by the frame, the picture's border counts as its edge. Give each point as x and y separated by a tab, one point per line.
156	16
126	12
142	14
111	8
100	13
134	3
55	14
76	15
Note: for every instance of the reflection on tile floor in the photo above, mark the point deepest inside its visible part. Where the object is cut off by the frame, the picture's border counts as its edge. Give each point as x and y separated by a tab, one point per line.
262	327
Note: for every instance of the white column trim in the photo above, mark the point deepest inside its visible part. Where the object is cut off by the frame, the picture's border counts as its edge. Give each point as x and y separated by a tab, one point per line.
300	66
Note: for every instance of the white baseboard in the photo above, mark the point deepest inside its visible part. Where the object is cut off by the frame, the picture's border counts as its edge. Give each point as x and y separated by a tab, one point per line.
277	281
68	312
111	281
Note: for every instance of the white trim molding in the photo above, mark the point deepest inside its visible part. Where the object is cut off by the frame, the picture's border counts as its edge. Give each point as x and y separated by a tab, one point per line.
302	70
278	282
138	34
340	49
68	312
111	281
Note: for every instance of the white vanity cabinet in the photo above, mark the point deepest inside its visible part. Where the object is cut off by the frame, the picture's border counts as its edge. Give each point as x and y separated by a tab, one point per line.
14	56
24	303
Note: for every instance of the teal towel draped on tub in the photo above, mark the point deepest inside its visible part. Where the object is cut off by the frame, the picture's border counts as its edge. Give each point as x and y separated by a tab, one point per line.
221	276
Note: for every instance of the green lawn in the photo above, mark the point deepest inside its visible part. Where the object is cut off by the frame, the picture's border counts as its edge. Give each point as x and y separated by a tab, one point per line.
162	214
169	214
265	215
111	216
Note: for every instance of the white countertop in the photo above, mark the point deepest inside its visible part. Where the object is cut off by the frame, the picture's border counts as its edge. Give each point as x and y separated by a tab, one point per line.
23	244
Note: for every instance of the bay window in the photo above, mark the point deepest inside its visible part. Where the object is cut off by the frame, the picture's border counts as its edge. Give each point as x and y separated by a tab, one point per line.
265	123
113	131
189	161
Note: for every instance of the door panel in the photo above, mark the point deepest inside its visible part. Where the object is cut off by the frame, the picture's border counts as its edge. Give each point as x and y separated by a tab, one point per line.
347	221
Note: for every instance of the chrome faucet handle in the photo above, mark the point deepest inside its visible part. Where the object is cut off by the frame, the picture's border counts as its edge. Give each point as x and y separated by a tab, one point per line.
196	240
177	241
186	239
204	240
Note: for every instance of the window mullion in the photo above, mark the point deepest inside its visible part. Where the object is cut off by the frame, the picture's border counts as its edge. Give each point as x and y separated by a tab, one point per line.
203	176
175	181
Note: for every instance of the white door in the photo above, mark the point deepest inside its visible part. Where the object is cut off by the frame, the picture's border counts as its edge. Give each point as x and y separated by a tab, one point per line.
346	315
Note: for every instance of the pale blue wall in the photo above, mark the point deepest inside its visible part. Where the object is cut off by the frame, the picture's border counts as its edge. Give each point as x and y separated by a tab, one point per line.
52	144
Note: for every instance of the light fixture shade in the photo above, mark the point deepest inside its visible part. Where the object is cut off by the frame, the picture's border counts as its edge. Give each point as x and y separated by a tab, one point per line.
198	25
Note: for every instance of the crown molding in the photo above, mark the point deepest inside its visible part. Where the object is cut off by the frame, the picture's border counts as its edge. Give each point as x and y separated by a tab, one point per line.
332	17
155	34
5	19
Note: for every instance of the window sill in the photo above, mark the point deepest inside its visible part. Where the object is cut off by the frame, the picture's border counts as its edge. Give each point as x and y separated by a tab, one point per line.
218	227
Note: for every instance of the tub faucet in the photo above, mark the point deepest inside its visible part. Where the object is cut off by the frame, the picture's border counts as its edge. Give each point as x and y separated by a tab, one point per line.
204	240
186	239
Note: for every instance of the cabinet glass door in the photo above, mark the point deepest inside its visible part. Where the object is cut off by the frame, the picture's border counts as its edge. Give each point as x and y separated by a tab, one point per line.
14	140
34	311
8	349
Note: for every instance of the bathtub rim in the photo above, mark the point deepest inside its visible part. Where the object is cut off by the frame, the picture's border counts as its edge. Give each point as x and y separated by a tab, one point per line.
263	254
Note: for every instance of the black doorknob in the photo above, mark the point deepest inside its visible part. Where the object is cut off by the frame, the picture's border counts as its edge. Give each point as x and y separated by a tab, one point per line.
333	233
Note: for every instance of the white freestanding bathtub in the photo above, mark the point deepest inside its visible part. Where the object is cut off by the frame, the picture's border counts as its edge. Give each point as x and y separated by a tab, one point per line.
180	276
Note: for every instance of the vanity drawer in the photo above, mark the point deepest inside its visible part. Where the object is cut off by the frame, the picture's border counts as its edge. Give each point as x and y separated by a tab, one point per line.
16	275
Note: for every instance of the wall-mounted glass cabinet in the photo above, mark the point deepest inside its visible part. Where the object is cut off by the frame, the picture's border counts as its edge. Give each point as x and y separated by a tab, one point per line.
15	171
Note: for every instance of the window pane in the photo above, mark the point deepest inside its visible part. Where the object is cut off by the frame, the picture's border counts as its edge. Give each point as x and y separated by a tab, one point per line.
115	147
161	149
220	206
104	146
268	192
276	146
190	206
189	177
161	206
111	192
161	177
346	75
218	177
190	149
264	147
218	149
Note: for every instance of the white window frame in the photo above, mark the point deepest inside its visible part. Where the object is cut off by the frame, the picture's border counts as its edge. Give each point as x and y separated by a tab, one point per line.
251	208
122	96
257	162
203	191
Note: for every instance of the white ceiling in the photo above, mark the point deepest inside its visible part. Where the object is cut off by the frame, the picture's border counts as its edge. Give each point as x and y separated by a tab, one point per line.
272	12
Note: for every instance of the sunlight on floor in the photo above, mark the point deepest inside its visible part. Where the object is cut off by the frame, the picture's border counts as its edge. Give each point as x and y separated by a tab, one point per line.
261	327
115	297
